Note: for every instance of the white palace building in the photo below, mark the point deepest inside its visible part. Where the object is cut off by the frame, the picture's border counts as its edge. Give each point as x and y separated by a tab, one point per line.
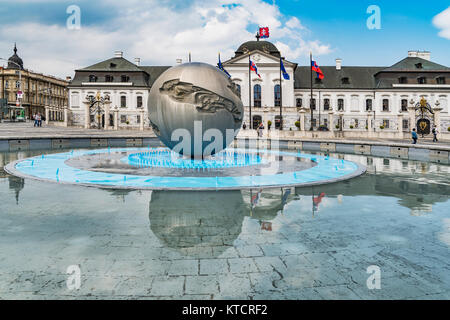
351	101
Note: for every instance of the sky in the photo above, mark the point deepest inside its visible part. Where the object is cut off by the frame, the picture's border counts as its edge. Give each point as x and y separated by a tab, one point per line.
160	31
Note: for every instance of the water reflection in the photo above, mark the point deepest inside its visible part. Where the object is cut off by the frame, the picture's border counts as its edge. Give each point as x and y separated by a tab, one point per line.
187	221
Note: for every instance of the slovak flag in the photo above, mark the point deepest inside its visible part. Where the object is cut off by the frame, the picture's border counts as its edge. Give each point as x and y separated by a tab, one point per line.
253	67
316	68
264	32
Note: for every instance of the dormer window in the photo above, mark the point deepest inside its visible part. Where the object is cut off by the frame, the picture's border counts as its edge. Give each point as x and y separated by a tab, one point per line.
422	80
124	78
419	65
112	65
345	80
440	80
402	80
92	78
109	78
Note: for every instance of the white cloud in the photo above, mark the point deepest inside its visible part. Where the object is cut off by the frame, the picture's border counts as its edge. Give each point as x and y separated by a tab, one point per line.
442	21
158	32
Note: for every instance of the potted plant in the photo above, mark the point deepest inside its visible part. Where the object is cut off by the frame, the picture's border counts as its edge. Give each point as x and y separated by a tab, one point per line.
269	124
381	127
448	129
351	126
127	122
297	124
337	126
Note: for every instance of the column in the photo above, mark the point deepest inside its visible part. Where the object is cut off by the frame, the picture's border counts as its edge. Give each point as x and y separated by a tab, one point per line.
116	119
400	126
141	123
330	121
87	117
47	113
302	120
66	116
412	116
369	124
106	105
437	118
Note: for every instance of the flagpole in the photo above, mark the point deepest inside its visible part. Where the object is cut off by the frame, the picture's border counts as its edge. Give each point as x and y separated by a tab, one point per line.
250	94
311	100
281	100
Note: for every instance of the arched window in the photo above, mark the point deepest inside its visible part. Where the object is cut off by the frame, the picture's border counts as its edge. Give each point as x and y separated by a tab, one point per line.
238	89
139	101
277	95
257	95
109	78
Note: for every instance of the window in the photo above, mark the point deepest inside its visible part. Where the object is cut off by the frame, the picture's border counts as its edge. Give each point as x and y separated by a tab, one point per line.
277	95
138	119
139	102
326	104
124	78
314	122
6	84
312	104
92	78
123	118
257	95
123	101
386	124
298	102
385	104
402	80
238	89
109	78
340	104
17	84
404	105
345	80
419	65
405	124
356	123
422	80
440	80
368	104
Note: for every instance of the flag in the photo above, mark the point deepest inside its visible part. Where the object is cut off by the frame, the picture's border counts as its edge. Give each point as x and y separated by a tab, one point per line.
285	196
316	68
254	200
220	66
318	200
253	67
283	70
264	32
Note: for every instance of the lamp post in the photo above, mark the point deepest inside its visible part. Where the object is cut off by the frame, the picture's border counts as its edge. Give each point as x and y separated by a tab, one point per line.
20	78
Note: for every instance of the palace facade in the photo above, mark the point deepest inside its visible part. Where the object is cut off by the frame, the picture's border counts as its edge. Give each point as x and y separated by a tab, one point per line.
349	99
41	93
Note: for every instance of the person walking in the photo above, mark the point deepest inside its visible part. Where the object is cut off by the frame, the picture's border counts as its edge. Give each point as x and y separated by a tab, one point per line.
39	120
435	132
35	120
244	126
414	135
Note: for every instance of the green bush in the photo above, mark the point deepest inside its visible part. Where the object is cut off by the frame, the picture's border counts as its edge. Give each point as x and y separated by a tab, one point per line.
381	127
297	124
351	126
269	123
448	129
337	126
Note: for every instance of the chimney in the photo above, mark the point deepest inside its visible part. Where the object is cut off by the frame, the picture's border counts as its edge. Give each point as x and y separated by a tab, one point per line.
118	54
426	55
137	61
179	61
69	78
338	64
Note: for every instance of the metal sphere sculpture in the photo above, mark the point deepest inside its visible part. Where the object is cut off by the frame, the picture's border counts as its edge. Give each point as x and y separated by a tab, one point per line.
194	108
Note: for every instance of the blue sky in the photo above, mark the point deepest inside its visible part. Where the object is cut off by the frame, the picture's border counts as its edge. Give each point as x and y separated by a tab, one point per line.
160	31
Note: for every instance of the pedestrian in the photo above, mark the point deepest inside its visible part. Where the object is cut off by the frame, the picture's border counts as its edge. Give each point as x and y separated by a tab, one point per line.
435	132
414	135
244	126
39	120
35	120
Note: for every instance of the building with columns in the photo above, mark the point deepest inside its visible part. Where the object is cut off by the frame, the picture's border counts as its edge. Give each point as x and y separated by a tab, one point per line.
351	101
126	84
41	93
